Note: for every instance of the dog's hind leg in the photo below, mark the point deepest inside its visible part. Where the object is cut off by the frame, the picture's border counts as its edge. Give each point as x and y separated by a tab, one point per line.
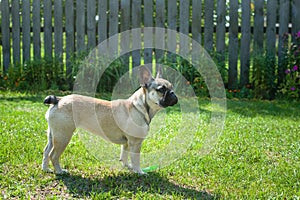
60	140
49	146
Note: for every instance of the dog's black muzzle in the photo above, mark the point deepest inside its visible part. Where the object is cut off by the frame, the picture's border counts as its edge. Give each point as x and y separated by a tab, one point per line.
170	99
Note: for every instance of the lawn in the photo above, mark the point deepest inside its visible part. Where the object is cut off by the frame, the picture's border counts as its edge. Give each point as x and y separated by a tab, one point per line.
256	157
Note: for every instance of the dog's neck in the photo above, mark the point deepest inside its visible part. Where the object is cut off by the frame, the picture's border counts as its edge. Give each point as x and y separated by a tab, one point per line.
139	100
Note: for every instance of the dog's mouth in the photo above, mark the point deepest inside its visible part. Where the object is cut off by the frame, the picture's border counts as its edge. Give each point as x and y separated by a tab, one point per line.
170	99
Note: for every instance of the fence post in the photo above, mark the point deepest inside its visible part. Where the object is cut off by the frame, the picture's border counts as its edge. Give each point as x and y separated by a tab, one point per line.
136	38
80	25
91	24
220	35
295	17
124	26
148	38
271	48
58	32
172	24
16	32
184	16
245	43
70	35
5	34
26	30
209	25
284	12
102	23
36	26
233	45
160	23
48	29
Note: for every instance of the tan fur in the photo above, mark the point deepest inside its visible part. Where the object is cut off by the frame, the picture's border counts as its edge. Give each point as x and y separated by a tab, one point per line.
124	122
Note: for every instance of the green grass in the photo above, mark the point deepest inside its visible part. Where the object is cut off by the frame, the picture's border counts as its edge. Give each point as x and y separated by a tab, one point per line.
256	157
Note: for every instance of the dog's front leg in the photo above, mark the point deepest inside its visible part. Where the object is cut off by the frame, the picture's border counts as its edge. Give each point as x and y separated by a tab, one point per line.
135	152
124	155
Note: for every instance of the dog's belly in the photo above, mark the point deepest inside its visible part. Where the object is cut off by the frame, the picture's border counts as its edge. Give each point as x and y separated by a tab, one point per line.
114	135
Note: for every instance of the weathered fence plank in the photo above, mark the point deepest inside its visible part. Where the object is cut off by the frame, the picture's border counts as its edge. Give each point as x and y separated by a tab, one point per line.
172	25
102	23
5	34
245	43
58	30
220	32
159	35
15	9
26	29
125	26
148	39
271	47
48	28
70	36
258	26
36	28
295	16
136	36
209	25
80	25
284	13
184	15
113	25
233	45
91	24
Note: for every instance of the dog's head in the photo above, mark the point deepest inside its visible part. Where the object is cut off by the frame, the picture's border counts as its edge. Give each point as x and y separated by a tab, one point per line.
159	91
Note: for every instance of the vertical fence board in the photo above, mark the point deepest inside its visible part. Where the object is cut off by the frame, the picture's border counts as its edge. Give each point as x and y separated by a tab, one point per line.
159	35
113	25
16	32
124	26
245	43
5	34
80	25
221	29
295	16
284	13
58	30
258	26
36	27
233	45
48	28
271	47
172	25
102	23
91	24
136	37
148	22
209	25
26	29
184	24
70	36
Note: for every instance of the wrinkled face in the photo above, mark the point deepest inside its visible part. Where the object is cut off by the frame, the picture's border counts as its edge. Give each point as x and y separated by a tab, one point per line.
160	92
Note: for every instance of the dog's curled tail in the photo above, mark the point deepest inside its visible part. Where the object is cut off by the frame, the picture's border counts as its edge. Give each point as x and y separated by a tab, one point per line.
51	99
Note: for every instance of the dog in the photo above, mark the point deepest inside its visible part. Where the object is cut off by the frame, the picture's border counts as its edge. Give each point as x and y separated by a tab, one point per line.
123	121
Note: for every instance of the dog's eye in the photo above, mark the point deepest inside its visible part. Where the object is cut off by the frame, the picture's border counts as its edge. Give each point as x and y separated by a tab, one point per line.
161	89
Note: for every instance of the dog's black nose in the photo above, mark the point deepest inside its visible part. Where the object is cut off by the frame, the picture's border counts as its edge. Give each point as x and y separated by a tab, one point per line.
173	99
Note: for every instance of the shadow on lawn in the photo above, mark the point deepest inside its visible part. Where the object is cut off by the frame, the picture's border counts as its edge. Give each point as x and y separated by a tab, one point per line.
129	184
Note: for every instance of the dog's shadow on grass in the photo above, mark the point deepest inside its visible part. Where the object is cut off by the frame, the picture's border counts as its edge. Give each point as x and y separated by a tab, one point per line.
116	185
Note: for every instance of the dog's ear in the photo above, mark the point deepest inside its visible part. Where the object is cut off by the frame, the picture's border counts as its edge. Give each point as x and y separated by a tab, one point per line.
145	76
159	72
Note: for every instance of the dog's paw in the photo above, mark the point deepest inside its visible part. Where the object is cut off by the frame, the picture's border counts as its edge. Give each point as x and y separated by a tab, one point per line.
62	172
139	171
47	170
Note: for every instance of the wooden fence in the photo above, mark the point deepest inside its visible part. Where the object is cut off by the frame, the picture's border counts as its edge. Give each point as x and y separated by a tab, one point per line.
233	29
